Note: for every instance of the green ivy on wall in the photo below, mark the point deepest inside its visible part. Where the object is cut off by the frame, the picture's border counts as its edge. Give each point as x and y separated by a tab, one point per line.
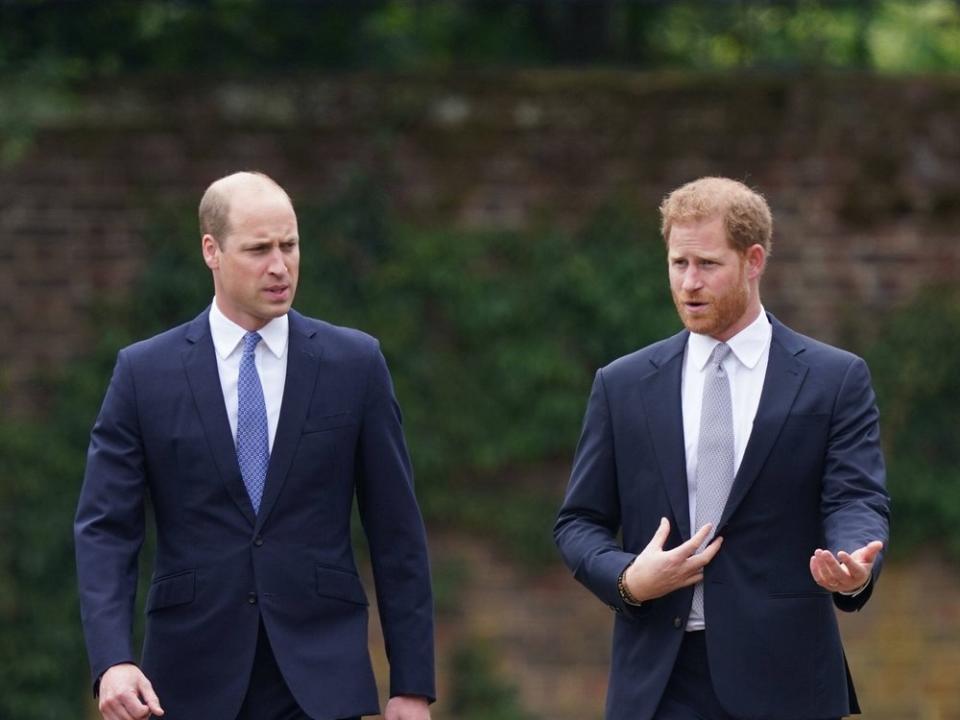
916	370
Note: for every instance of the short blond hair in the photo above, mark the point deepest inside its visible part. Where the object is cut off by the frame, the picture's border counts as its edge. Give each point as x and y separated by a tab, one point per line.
745	214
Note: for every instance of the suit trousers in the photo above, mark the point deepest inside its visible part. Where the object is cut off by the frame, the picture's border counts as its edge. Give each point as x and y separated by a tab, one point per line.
268	697
690	694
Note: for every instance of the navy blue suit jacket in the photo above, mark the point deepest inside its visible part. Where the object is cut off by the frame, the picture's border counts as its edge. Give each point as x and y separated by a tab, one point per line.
163	431
812	476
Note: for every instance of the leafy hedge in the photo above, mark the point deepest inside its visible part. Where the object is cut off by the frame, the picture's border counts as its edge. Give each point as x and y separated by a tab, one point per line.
40	648
916	369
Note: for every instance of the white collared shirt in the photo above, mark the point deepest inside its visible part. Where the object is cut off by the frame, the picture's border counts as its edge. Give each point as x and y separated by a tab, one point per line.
746	366
270	357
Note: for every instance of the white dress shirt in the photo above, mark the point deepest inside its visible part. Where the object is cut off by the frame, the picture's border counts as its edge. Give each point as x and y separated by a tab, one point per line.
270	357
746	366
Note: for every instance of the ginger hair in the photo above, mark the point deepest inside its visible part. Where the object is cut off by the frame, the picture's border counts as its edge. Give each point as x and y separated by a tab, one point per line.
745	213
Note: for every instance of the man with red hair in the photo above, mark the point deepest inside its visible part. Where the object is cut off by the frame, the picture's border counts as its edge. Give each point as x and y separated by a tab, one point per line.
728	491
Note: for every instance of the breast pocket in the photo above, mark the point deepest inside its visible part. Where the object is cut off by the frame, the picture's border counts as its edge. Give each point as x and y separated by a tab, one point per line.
326	423
805	435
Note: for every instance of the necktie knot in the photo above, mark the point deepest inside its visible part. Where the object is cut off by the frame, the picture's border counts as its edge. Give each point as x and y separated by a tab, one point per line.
719	354
250	341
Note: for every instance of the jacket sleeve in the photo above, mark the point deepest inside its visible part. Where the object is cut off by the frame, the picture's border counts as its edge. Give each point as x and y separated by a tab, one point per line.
854	502
589	520
397	538
109	525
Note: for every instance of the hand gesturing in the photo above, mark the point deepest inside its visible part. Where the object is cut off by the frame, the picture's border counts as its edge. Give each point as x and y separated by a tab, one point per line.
657	572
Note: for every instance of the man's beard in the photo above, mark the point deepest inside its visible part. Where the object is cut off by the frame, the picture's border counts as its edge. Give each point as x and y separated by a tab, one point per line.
724	310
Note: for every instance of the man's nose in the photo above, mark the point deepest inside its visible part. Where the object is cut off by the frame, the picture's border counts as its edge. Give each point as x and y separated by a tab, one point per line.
691	279
278	265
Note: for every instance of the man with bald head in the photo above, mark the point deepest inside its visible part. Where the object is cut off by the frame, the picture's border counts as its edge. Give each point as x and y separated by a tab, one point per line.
728	491
252	429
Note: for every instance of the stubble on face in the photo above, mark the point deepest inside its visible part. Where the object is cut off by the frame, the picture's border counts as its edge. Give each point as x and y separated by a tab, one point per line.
722	311
710	281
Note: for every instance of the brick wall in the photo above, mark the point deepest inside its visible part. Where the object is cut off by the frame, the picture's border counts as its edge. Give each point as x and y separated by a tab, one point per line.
863	175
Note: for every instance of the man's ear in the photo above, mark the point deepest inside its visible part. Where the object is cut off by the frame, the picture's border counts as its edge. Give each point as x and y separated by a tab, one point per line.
756	258
211	251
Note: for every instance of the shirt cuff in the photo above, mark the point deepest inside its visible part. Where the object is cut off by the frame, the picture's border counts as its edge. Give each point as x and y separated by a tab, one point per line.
859	590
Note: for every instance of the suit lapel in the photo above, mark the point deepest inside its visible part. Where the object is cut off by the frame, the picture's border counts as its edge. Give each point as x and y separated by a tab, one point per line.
785	375
303	355
200	364
661	396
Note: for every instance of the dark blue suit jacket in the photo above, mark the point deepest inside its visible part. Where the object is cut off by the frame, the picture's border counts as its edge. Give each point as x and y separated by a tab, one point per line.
163	431
812	476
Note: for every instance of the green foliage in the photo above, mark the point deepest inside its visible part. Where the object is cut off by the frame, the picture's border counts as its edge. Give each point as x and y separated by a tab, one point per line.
492	340
449	576
772	35
916	368
890	36
112	37
908	37
477	692
489	334
40	647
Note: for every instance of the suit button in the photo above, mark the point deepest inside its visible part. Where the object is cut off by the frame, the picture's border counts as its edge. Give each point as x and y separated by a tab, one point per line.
677	622
258	541
252	598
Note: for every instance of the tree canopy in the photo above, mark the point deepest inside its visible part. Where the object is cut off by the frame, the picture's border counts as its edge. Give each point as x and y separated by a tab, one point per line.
88	40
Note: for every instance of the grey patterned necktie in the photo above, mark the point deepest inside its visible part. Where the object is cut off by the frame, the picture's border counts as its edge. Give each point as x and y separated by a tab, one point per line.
715	452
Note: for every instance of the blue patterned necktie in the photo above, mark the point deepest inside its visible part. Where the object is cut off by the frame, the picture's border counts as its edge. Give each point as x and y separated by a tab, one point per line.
715	452
253	450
